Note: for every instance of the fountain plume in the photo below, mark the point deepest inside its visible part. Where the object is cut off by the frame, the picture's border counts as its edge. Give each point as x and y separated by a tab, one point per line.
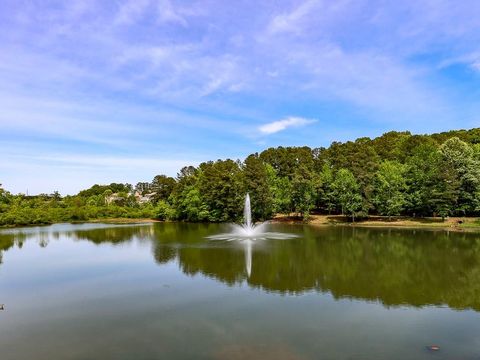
247	212
248	232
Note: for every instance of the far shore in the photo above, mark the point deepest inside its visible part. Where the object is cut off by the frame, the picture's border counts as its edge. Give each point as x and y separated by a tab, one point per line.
451	223
122	221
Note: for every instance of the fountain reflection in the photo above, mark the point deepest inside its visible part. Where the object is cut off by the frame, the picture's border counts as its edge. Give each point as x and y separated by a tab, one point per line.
248	232
248	257
396	267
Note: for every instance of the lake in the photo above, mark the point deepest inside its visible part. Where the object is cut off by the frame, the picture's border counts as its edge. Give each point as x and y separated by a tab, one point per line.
165	291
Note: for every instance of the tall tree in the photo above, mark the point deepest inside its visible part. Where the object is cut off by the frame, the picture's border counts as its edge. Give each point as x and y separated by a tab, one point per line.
256	184
347	192
390	188
325	197
162	186
459	158
422	175
281	190
285	160
143	187
186	200
303	191
221	188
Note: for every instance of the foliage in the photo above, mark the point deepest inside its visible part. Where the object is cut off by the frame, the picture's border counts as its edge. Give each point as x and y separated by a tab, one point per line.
347	191
162	186
390	188
395	174
303	191
221	188
257	185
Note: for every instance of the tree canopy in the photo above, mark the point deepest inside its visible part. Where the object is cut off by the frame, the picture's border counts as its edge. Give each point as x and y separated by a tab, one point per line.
395	174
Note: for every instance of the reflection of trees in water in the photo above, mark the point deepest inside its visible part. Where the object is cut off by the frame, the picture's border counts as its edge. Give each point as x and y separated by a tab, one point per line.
113	234
97	234
164	254
43	240
186	242
8	241
395	267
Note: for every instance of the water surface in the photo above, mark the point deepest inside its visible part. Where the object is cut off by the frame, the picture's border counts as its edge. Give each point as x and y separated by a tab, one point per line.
165	291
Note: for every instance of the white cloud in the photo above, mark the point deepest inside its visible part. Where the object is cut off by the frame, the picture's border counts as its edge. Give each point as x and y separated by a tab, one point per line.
280	125
290	22
167	13
130	11
152	76
475	65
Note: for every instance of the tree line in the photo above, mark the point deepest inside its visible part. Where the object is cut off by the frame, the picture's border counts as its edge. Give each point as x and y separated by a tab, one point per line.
395	174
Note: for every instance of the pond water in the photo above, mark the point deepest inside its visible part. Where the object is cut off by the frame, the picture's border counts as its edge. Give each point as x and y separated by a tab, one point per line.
165	291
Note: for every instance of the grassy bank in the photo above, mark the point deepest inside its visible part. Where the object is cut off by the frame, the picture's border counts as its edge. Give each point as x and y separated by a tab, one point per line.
124	221
383	221
452	223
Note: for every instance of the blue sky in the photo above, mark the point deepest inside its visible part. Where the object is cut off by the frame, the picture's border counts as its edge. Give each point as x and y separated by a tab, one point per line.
102	91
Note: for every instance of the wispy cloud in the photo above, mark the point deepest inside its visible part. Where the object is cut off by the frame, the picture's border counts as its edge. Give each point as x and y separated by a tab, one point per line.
130	11
150	77
280	125
291	21
168	13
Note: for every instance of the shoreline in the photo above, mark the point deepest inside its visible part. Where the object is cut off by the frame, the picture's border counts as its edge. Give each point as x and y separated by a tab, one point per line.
122	221
117	221
451	223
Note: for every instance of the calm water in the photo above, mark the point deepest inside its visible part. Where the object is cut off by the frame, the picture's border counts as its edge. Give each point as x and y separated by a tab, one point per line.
164	291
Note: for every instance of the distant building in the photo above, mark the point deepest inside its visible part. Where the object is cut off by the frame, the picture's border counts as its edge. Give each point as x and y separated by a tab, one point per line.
113	198
139	198
142	199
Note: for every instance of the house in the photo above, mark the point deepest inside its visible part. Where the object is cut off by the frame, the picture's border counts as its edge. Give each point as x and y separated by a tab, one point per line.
111	199
142	199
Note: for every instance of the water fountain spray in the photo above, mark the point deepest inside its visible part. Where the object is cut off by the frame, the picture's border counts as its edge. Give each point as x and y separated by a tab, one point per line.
248	233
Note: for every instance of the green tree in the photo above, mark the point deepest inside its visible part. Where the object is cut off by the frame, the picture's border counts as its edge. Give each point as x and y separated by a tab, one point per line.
285	160
445	192
142	187
303	191
459	158
325	197
162	186
422	174
221	187
164	211
390	188
347	192
185	198
281	190
256	184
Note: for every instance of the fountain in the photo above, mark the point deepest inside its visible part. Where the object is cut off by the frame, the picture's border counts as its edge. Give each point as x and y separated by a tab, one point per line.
247	214
248	232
